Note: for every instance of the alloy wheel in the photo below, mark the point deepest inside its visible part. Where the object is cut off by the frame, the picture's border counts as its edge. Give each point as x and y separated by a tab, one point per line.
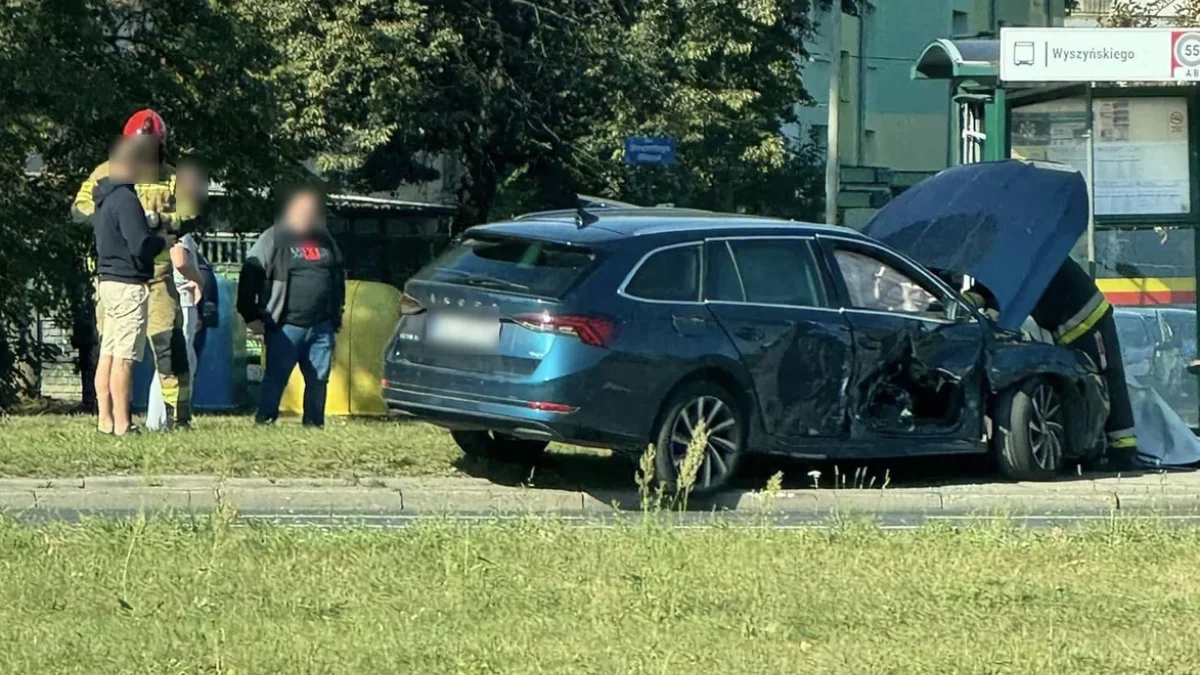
720	422
1047	435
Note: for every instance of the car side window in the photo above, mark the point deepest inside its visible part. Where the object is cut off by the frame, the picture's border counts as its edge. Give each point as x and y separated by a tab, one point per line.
778	272
722	281
669	275
875	285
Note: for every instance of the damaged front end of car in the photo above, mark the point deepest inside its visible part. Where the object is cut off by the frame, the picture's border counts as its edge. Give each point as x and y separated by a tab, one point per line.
1011	358
1007	227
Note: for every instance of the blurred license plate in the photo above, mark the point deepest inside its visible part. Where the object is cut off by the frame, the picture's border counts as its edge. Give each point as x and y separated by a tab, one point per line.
464	332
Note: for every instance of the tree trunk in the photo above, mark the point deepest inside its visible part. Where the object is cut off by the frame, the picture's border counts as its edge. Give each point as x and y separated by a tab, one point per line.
476	193
555	187
83	334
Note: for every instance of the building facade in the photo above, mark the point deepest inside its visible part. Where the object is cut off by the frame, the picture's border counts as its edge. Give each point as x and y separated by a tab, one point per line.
886	119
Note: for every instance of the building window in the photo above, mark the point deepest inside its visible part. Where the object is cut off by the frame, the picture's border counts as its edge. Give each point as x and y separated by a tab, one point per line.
960	25
820	137
1141	149
845	78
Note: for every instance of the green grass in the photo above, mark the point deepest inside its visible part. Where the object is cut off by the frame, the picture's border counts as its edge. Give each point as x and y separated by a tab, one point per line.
67	446
542	597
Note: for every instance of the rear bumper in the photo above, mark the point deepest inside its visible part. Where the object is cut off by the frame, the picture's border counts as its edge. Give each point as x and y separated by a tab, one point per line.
460	410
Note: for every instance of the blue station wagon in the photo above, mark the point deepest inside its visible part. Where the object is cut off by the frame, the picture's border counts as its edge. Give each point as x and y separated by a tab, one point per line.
640	326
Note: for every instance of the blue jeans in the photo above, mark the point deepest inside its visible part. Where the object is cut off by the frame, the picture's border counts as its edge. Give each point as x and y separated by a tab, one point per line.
286	346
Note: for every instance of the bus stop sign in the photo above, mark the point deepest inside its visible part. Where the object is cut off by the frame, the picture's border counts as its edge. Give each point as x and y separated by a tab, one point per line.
1099	55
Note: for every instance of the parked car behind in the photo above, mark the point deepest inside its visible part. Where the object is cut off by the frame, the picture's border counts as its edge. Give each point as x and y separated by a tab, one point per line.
633	326
1183	326
1137	334
1174	333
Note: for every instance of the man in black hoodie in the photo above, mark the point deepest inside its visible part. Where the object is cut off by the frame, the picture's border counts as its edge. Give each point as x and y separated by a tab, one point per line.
125	252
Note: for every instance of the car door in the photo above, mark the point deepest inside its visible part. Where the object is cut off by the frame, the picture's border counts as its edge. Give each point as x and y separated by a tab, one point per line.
668	328
917	348
773	298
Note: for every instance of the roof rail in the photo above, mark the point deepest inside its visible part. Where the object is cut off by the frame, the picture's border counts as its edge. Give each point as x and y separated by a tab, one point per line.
590	202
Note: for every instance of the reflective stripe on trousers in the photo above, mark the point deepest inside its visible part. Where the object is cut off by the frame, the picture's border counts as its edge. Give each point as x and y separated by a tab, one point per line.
1122	438
158	416
1100	342
169	347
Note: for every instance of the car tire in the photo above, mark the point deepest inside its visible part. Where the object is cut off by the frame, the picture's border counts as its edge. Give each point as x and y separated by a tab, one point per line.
495	445
727	436
1032	436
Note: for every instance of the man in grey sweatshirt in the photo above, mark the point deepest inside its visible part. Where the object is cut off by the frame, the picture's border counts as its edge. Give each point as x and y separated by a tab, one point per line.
292	289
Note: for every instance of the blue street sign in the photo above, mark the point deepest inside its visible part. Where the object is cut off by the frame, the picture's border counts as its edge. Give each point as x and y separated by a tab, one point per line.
649	150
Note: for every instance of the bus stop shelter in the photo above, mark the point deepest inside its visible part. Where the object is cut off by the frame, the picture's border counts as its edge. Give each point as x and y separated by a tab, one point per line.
1119	105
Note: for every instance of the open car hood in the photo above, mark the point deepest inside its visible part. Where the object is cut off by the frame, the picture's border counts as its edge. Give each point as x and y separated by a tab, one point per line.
1008	224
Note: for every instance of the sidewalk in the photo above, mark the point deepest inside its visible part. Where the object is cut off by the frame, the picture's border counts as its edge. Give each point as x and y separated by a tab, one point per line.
1160	494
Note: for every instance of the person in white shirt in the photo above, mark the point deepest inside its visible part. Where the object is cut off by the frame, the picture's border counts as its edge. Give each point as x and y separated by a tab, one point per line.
192	185
188	283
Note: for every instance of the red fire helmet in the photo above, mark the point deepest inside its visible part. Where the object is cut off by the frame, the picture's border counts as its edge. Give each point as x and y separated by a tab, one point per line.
147	122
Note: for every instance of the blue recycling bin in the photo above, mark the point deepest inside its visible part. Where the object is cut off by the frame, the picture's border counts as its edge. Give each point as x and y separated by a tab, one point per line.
220	379
143	375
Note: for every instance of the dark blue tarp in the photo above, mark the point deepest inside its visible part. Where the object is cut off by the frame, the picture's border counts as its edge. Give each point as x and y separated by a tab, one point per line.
1009	224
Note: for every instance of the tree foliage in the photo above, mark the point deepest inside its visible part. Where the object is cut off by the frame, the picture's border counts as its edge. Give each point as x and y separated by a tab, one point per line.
534	98
73	71
37	247
1149	13
529	100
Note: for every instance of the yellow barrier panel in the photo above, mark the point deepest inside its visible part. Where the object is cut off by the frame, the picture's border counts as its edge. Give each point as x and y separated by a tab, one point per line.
371	313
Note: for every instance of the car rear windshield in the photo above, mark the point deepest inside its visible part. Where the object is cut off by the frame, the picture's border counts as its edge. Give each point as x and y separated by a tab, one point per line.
1131	330
529	267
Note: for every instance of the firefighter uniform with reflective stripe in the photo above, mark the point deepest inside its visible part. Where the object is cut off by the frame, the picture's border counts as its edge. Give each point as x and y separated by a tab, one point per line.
165	323
1074	310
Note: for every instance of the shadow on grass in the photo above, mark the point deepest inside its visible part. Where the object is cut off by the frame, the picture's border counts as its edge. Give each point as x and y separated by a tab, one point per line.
39	406
610	478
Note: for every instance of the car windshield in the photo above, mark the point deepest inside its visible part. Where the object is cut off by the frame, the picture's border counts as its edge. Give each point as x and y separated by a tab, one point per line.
530	267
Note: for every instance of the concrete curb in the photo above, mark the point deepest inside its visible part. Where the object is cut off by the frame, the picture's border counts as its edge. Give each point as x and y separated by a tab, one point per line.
1171	493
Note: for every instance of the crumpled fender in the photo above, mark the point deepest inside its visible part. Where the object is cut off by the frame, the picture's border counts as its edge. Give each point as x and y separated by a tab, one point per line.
1008	360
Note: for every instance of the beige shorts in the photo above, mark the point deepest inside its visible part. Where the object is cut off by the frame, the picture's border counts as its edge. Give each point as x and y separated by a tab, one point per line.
126	306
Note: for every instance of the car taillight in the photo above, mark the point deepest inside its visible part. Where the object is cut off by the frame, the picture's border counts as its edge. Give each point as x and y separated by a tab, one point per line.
591	330
410	305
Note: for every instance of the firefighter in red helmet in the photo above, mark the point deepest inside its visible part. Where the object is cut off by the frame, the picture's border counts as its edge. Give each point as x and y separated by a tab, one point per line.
164	212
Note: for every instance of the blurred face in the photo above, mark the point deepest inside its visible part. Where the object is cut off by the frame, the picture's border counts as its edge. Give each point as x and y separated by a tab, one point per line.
127	160
304	212
143	151
191	181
